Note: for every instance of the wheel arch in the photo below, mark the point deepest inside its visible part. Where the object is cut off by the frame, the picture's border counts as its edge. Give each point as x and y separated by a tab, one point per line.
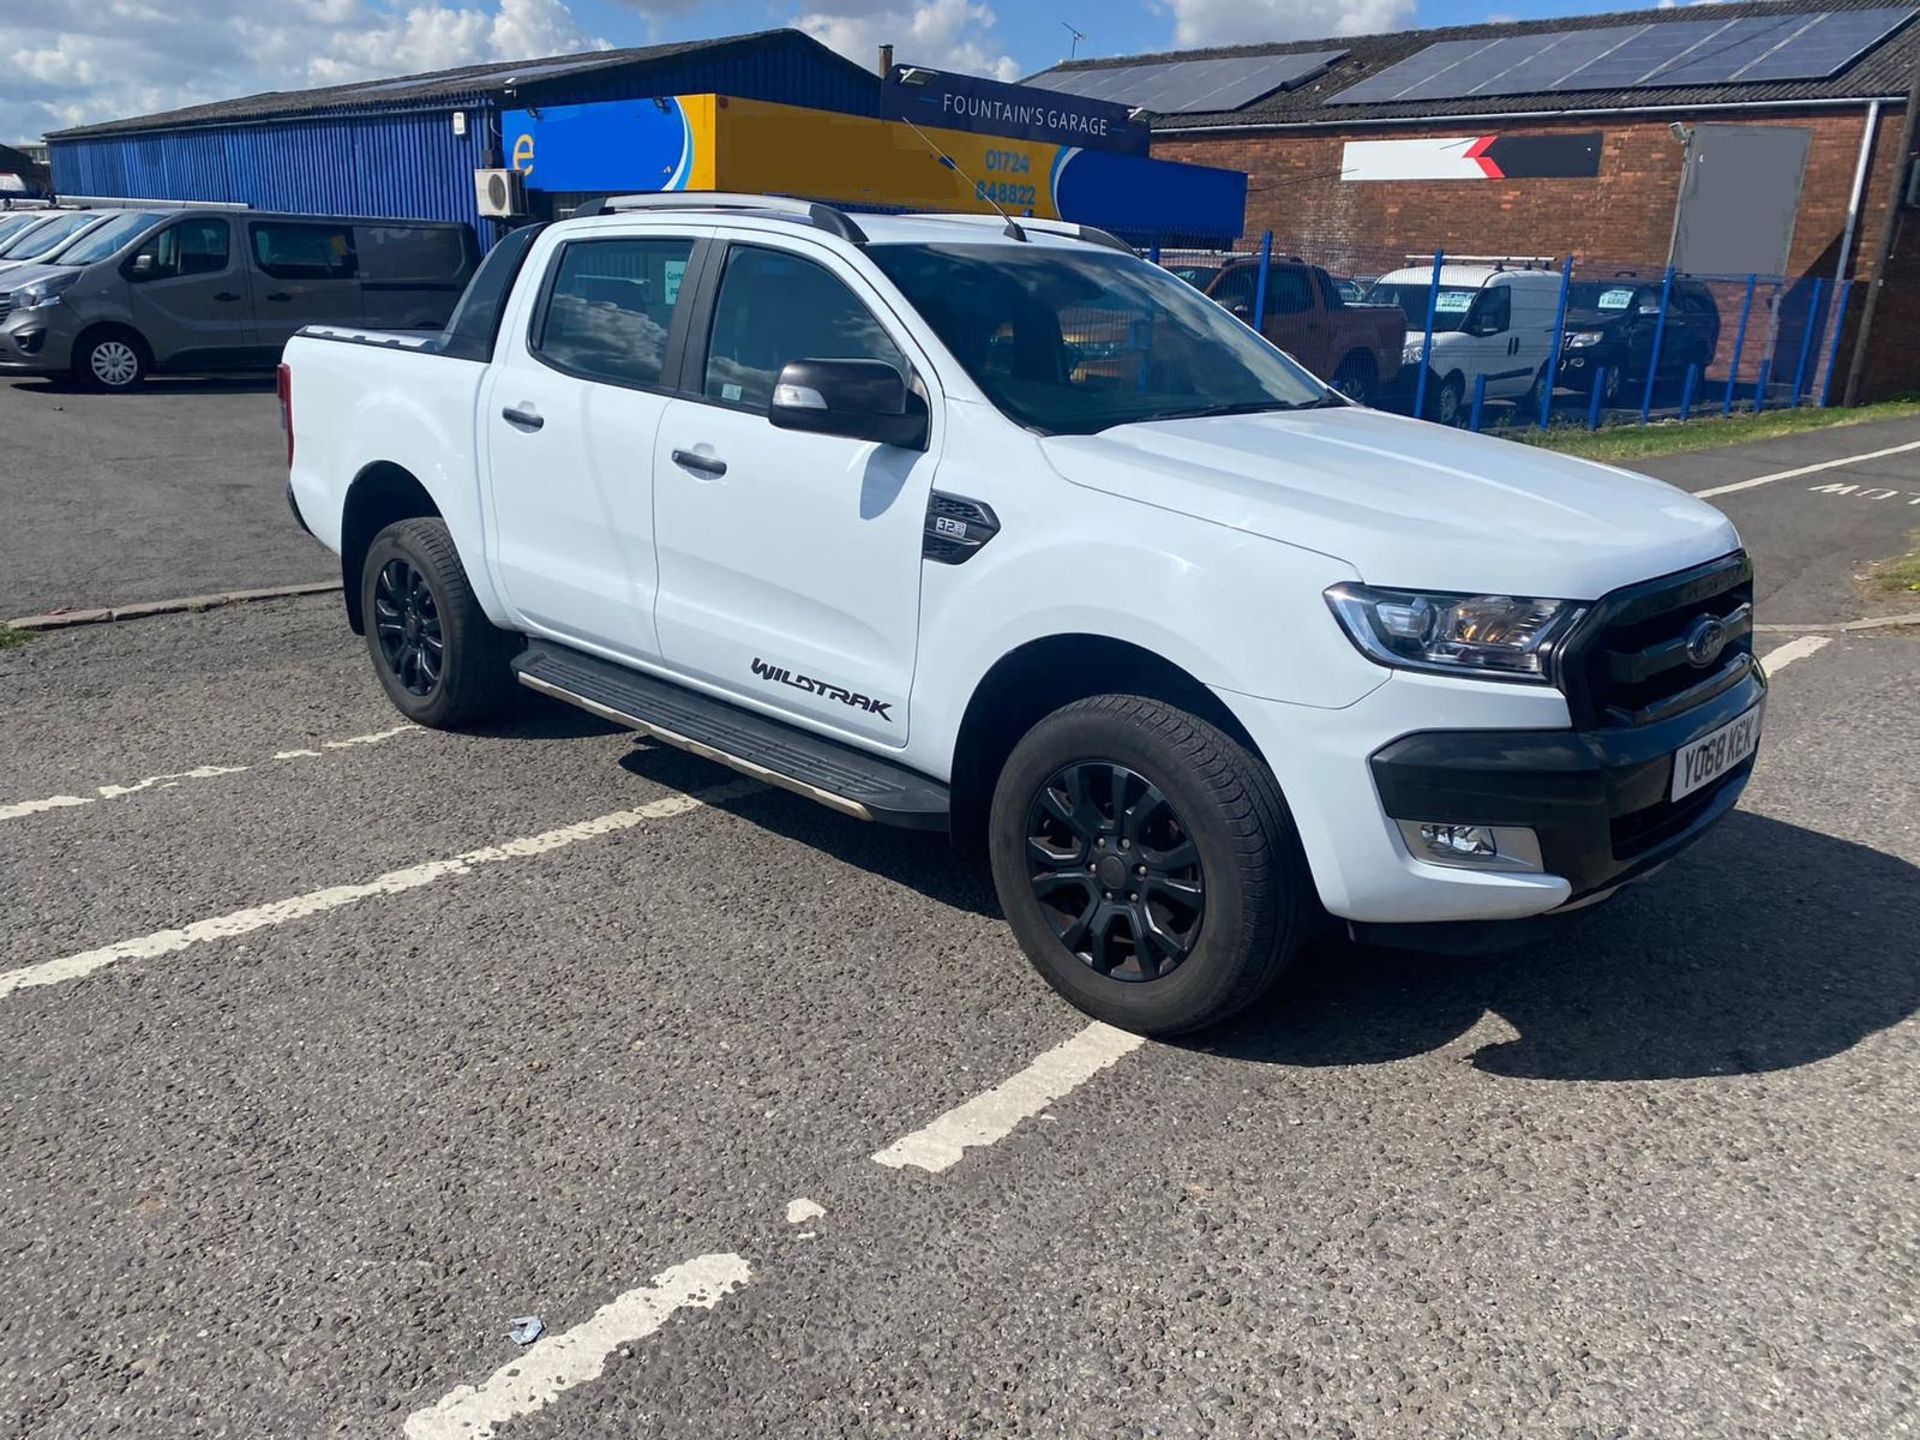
380	495
100	329
1038	677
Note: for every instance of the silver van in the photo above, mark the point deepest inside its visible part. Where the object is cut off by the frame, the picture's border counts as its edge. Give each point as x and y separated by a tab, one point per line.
194	290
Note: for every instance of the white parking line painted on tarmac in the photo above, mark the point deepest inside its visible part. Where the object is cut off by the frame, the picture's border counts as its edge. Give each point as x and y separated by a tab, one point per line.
200	772
990	1117
560	1362
1781	656
1805	470
314	902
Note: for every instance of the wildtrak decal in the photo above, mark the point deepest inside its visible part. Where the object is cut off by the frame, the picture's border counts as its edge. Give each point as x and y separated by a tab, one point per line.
780	675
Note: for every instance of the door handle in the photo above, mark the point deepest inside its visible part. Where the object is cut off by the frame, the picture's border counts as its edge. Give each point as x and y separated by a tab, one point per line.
225	295
279	295
705	464
522	419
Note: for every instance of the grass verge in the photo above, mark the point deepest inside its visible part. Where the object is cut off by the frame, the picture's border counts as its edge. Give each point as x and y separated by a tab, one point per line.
1669	437
1897	578
12	639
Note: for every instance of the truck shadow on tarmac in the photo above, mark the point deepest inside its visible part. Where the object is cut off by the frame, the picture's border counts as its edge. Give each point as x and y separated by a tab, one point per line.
1766	947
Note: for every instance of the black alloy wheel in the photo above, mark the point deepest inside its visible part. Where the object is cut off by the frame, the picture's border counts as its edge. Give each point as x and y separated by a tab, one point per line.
1115	871
406	621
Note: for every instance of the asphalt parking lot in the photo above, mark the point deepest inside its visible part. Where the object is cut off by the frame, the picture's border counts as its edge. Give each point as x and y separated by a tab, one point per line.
334	1046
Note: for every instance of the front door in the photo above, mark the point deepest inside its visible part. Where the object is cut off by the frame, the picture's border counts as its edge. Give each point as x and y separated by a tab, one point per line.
305	273
189	296
568	414
790	562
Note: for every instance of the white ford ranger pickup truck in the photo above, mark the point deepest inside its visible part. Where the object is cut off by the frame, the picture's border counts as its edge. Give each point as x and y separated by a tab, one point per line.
955	522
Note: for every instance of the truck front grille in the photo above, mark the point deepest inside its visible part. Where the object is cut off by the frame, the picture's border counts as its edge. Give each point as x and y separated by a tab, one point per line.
1629	663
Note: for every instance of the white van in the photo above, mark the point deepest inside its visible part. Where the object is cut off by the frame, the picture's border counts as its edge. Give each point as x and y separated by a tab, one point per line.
1487	320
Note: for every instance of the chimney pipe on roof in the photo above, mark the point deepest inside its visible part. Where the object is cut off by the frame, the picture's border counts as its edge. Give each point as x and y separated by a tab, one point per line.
886	60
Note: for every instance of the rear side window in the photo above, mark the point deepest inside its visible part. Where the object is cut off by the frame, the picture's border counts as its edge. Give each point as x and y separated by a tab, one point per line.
775	308
610	307
395	254
301	250
193	247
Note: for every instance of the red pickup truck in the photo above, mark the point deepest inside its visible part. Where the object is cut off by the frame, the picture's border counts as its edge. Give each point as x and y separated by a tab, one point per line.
1355	348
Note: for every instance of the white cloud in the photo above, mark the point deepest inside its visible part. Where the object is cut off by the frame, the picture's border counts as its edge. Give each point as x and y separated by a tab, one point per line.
946	34
74	62
1252	22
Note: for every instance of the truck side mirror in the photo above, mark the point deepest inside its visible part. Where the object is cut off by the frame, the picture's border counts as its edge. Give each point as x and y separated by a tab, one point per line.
857	399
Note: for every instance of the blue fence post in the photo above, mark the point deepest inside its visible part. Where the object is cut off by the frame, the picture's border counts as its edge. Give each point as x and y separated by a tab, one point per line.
1760	386
1559	343
1479	401
1833	355
1806	342
1739	343
1659	334
1686	395
1593	406
1154	253
1260	286
1426	344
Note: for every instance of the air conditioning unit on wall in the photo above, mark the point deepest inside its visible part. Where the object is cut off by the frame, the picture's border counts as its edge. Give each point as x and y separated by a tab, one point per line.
501	193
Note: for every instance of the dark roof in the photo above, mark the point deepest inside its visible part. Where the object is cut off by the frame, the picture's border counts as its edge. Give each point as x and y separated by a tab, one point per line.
546	77
1886	70
18	162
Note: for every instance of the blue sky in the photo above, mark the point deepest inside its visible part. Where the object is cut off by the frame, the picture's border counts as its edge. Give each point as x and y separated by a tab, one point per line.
73	62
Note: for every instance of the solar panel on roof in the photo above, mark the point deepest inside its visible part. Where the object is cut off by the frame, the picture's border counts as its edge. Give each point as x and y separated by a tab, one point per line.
1745	50
1192	86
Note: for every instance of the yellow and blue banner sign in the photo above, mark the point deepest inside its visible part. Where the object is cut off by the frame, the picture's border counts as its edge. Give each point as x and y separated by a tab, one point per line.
716	142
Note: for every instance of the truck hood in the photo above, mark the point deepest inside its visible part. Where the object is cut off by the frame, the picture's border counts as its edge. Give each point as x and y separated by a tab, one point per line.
16	273
1407	503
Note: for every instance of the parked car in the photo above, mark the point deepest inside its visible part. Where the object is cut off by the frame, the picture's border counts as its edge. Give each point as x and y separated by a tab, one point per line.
1354	347
213	290
1199	654
1612	323
1487	320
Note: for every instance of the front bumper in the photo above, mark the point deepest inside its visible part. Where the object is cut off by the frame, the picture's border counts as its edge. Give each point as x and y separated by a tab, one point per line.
1596	799
31	343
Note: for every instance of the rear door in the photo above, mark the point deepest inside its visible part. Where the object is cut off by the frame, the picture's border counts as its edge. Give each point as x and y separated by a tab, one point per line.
790	562
569	412
188	289
1294	321
306	272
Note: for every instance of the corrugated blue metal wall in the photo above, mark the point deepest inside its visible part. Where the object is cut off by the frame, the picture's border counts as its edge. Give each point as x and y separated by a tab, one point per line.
410	163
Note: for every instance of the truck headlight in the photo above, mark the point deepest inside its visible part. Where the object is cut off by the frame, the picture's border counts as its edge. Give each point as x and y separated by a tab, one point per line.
1580	339
1509	637
43	292
1411	354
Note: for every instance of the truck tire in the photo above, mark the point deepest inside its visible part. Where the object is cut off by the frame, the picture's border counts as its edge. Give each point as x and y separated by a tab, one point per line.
1355	378
1147	864
442	662
112	360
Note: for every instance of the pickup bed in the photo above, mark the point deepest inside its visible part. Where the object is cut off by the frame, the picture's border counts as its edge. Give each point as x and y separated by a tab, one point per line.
1356	348
1196	652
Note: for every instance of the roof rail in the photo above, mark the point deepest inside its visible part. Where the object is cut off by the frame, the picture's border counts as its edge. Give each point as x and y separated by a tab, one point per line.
1091	234
825	217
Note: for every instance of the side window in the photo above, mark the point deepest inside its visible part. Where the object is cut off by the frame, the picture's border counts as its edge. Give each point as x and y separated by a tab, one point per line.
1235	288
775	308
1288	291
1493	313
610	307
1329	292
193	247
400	253
298	250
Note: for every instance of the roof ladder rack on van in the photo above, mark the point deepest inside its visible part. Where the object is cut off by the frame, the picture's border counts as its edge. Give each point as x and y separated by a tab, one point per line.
824	217
1498	262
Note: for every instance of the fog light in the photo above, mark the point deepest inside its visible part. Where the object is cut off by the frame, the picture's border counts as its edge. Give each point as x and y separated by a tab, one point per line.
1472	847
30	341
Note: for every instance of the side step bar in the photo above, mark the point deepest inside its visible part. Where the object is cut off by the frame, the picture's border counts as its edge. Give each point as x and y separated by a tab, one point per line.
838	776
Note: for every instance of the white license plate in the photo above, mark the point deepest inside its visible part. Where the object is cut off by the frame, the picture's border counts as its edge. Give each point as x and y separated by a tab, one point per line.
1712	755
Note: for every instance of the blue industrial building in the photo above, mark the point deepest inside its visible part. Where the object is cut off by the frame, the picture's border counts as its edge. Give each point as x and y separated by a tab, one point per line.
408	147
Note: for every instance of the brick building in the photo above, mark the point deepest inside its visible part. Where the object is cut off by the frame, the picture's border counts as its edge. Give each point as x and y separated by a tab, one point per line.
1377	149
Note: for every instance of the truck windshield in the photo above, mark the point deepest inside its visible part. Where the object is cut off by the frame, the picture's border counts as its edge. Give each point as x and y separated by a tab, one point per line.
1449	311
1071	341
